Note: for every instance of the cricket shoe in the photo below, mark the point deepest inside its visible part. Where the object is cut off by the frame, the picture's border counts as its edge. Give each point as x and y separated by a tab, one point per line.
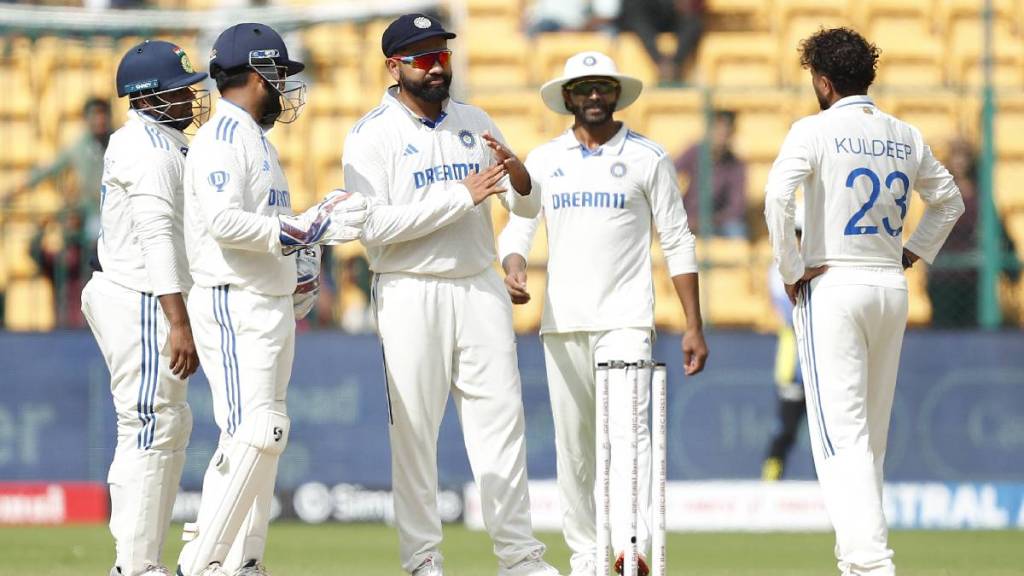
252	568
641	565
532	565
429	567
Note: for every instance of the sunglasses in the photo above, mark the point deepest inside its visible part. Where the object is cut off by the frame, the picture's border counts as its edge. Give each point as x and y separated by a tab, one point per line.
587	87
426	60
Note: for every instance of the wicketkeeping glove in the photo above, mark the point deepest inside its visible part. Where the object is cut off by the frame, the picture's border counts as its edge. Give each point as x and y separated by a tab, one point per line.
338	218
307	282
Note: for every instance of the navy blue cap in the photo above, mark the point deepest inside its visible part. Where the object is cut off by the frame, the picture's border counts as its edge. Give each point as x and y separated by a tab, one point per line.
409	29
237	44
155	65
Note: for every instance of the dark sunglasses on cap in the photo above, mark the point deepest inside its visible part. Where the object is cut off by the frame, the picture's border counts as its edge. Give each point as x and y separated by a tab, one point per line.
426	60
587	87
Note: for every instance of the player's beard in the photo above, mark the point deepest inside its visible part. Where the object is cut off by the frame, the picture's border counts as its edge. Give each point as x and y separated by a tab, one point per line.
822	101
593	112
423	91
271	105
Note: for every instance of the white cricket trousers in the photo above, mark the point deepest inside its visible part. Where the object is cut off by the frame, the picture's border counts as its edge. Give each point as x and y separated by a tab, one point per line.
570	359
454	336
246	344
153	418
849	327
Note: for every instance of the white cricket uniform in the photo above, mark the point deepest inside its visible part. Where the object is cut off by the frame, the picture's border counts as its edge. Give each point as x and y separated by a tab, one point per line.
598	207
444	317
241	306
856	165
142	253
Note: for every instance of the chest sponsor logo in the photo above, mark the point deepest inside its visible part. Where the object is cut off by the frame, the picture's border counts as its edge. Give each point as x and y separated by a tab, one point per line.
562	200
444	172
279	198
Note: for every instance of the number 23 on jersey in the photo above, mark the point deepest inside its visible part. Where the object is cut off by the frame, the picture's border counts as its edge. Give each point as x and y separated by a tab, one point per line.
853	226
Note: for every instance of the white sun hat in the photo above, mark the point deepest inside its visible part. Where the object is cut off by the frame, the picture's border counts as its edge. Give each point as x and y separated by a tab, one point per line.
587	64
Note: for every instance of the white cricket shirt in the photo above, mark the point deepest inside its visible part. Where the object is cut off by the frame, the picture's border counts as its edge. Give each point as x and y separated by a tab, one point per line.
422	219
141	244
598	207
857	166
234	191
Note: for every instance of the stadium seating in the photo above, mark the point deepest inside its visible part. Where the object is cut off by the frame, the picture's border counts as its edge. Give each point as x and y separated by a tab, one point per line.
747	62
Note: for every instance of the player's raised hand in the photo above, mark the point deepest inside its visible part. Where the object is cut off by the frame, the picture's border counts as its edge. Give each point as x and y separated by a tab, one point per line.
515	278
695	351
516	170
483	184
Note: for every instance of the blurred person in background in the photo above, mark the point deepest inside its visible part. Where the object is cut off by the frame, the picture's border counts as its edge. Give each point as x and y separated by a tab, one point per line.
789	382
85	157
648	18
572	15
728	180
953	289
62	249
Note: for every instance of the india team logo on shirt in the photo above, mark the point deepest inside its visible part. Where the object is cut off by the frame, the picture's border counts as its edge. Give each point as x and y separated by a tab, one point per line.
467	138
618	170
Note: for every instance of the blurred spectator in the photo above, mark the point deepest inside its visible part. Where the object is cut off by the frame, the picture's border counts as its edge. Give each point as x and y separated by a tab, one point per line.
953	287
648	18
85	157
355	286
62	251
567	15
728	180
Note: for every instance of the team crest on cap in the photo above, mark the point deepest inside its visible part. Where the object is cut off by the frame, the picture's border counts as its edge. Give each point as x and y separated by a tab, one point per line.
421	22
618	170
467	138
589	61
186	65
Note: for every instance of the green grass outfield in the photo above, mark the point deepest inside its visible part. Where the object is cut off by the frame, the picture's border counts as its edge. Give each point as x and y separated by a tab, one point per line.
371	550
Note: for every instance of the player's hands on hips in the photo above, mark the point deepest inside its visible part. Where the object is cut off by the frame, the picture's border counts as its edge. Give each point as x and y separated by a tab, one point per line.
184	360
695	351
483	184
516	170
792	290
515	278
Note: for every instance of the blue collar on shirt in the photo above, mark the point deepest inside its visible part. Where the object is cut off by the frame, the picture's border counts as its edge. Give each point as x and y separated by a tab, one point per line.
391	93
613	146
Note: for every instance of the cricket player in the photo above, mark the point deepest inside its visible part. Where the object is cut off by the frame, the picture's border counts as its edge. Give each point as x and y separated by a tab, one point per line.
135	305
857	166
602	186
428	165
241	238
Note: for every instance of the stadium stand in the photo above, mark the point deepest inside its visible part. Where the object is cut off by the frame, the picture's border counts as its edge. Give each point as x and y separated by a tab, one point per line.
747	62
